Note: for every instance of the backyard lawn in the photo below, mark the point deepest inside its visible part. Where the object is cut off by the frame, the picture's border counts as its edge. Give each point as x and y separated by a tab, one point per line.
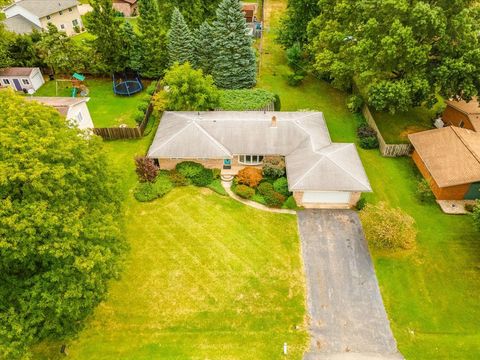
106	108
430	293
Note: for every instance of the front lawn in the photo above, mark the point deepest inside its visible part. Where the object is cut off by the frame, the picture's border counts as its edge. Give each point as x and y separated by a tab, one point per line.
106	108
430	293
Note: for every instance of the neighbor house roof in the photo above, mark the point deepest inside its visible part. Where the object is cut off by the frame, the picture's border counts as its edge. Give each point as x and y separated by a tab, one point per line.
131	2
20	25
471	109
43	8
17	71
312	161
62	104
451	154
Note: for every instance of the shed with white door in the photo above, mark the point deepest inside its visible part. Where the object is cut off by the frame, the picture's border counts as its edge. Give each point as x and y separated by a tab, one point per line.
21	78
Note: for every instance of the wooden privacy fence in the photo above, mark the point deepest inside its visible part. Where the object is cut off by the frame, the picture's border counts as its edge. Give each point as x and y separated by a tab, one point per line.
388	150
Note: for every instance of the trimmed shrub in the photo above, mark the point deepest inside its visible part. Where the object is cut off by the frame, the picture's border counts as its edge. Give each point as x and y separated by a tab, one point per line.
355	103
295	56
265	188
216	173
139	116
362	202
143	106
290	203
258	198
177	179
145	191
388	228
203	178
162	186
367	137
476	215
189	169
424	192
146	169
295	79
281	186
274	199
244	191
250	176
273	167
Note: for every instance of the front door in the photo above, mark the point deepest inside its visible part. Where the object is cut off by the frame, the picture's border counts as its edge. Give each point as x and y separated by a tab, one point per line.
473	192
227	163
17	84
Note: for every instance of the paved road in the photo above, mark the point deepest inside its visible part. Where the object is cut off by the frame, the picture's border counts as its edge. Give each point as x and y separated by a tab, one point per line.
347	317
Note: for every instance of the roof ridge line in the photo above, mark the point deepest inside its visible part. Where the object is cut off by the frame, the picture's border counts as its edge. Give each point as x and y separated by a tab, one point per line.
476	156
215	141
348	172
171	137
308	171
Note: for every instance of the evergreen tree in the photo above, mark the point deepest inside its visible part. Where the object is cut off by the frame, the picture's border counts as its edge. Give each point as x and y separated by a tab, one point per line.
152	40
103	23
194	11
180	41
234	65
5	59
130	46
203	48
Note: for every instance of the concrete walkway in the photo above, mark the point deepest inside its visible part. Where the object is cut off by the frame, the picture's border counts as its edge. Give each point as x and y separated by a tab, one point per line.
227	186
347	316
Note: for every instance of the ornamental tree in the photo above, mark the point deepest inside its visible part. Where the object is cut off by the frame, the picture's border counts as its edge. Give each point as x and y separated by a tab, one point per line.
188	90
401	53
179	40
154	58
234	65
59	227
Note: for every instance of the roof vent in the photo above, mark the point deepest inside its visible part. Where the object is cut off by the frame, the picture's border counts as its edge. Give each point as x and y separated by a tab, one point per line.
274	122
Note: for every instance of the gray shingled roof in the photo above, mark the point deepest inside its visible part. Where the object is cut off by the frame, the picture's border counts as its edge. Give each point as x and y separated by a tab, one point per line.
313	162
20	25
43	8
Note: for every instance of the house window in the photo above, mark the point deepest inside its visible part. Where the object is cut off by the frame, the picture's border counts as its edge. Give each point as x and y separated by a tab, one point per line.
25	82
75	22
62	26
462	124
60	13
250	159
6	81
48	17
79	117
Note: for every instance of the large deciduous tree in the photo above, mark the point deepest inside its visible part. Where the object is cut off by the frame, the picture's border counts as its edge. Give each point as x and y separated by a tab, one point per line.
234	63
105	25
402	53
154	58
294	23
179	40
204	49
59	225
5	59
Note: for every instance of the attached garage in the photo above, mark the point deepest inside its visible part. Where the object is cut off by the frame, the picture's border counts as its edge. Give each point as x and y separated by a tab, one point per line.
326	197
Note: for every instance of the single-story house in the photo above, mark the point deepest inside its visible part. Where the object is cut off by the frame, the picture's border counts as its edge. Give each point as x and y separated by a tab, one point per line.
449	159
321	174
462	114
24	16
249	10
126	7
20	78
75	110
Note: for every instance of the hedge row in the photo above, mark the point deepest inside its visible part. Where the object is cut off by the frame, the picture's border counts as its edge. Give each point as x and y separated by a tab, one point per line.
246	99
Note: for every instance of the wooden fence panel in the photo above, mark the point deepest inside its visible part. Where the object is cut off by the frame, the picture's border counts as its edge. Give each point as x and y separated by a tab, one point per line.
118	133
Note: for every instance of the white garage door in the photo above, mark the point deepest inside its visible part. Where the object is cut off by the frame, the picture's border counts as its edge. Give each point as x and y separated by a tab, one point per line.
326	197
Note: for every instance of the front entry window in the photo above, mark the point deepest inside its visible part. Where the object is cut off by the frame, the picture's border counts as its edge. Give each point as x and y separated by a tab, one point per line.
250	159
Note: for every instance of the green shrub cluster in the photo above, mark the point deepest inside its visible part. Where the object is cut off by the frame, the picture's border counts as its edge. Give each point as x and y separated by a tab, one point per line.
272	198
189	169
245	99
203	178
290	203
151	88
244	191
355	103
148	191
273	167
178	179
281	186
424	192
367	137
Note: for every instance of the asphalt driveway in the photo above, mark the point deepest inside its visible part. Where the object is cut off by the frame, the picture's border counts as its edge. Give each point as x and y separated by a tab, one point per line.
347	316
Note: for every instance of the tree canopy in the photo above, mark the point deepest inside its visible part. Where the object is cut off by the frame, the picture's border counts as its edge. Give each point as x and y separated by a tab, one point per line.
234	65
294	25
401	53
59	231
203	48
194	11
180	40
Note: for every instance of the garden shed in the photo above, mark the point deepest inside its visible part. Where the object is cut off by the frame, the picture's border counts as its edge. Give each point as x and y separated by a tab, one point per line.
320	174
22	78
463	114
449	159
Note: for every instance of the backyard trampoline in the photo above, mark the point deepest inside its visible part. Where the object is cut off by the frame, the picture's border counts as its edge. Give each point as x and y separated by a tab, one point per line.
126	84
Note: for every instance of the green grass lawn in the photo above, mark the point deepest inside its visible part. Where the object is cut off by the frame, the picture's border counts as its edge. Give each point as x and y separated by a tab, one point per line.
106	108
430	293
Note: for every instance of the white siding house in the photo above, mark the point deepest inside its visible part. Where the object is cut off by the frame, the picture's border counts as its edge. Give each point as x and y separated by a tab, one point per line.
19	78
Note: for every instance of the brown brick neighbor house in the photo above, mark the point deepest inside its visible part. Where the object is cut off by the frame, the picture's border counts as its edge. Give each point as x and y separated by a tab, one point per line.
126	7
449	159
321	174
463	114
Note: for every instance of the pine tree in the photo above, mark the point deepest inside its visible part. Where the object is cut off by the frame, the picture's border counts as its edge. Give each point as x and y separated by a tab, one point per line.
152	40
203	48
180	41
130	46
234	65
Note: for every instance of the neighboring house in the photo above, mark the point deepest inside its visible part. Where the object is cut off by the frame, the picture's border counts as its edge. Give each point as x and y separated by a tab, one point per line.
321	174
249	9
26	15
74	109
449	159
126	7
463	114
20	78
